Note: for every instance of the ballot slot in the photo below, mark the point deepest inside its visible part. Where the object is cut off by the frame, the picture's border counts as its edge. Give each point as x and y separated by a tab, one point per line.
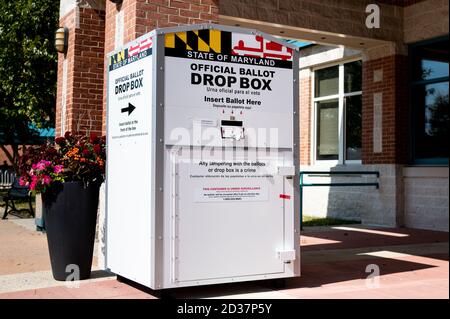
232	129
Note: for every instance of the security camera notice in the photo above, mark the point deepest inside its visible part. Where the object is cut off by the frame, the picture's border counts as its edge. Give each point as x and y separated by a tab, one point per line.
225	309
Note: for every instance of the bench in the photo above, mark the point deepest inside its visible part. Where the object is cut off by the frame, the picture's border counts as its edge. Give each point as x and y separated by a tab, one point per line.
17	192
6	178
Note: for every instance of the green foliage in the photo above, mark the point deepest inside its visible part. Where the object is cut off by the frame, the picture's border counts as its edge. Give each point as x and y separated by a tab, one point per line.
28	65
326	221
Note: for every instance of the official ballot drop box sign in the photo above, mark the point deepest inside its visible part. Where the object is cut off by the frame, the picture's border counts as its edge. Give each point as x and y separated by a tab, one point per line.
202	142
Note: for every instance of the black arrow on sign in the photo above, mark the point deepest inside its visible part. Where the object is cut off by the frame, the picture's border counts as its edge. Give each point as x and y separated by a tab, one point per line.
128	109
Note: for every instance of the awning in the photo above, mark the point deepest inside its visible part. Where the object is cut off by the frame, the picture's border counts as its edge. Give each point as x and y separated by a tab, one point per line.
32	136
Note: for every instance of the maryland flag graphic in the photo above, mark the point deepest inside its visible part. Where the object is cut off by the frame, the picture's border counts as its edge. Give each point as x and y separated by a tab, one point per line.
211	41
234	44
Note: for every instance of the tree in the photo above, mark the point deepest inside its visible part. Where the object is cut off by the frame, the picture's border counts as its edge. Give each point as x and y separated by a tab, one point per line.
439	116
28	70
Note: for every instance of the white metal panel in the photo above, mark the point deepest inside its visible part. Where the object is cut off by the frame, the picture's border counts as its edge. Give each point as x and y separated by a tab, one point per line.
186	106
229	235
129	174
129	210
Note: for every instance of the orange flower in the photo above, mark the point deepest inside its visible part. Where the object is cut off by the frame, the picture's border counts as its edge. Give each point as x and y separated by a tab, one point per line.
72	152
99	161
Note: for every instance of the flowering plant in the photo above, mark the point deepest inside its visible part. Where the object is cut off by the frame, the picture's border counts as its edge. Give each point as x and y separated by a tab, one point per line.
70	158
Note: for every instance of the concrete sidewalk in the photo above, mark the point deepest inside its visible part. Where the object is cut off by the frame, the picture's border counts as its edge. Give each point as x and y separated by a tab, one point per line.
336	262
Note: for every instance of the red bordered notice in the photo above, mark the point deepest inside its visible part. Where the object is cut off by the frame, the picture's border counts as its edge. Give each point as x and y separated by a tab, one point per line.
231	194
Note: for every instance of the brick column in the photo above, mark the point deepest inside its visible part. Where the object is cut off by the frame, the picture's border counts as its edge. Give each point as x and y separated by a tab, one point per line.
385	109
305	117
133	18
385	117
80	70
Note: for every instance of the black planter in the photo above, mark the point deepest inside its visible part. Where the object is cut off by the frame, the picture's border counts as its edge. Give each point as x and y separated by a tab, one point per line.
70	218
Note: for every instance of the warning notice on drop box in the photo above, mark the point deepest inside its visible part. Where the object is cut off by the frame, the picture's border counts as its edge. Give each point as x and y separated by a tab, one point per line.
219	194
231	181
231	169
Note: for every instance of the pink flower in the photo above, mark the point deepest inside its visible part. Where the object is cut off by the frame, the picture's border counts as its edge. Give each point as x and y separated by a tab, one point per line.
34	166
23	181
42	165
47	179
58	169
33	183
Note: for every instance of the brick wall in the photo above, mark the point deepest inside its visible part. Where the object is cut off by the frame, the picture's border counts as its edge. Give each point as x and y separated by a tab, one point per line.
67	21
394	112
346	17
426	201
400	3
143	16
305	117
426	197
425	20
84	89
89	50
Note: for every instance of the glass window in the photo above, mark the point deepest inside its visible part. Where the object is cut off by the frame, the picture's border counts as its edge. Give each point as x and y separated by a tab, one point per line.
338	105
328	130
429	99
352	77
432	120
353	127
327	81
430	61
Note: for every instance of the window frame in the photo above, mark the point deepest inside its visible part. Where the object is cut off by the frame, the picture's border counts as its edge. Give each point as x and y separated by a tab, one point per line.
413	106
340	96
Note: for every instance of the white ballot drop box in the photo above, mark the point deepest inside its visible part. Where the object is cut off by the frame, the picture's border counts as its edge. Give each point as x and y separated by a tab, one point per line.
202	157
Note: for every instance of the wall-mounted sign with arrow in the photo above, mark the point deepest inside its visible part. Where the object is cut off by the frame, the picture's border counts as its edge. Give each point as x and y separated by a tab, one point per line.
130	94
128	109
